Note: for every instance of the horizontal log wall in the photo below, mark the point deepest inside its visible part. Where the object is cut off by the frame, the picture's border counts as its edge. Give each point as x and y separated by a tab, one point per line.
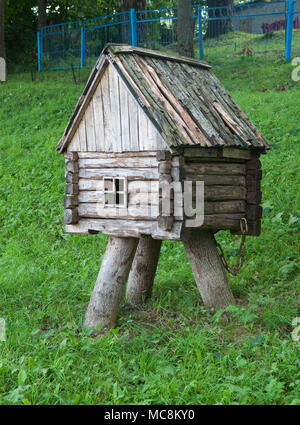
225	189
240	168
237	181
231	192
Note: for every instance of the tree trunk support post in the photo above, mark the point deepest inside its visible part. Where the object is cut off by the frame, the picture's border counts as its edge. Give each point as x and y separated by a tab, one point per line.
106	297
208	270
138	259
143	270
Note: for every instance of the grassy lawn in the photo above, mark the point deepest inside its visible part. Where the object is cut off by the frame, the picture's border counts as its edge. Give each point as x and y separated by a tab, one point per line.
238	46
171	351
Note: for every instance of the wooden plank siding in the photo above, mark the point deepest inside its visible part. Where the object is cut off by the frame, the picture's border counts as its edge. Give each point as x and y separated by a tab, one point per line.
114	121
141	171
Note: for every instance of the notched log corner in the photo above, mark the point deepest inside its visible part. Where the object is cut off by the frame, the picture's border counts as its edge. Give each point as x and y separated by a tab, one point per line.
71	216
71	202
72	189
253	198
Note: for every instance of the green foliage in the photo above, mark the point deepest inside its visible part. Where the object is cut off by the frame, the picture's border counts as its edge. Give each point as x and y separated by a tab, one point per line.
20	33
21	25
172	350
79	10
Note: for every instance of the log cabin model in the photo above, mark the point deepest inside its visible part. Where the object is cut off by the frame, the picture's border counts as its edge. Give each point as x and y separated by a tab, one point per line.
146	120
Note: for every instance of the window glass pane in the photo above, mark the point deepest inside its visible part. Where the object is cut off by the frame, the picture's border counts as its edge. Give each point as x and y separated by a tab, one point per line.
121	185
114	191
108	184
120	199
110	198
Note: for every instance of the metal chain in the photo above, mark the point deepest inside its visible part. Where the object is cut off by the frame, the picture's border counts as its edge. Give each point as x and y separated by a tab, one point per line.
241	256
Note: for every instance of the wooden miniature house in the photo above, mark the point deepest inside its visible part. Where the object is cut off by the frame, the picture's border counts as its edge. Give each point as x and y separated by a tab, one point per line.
146	118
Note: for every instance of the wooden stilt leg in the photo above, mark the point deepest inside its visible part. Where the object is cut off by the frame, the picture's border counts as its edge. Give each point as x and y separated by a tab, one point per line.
113	274
143	270
208	270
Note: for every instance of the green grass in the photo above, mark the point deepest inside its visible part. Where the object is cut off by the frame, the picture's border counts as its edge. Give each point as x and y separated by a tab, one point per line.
171	351
239	47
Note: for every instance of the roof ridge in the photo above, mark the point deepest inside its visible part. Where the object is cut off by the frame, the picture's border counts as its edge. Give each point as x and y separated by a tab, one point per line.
126	48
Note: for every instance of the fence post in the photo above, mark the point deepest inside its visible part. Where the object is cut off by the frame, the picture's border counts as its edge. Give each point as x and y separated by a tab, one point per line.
82	45
200	33
133	29
39	51
289	30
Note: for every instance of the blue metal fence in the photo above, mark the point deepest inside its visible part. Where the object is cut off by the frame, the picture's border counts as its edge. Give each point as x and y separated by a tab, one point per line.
222	35
295	41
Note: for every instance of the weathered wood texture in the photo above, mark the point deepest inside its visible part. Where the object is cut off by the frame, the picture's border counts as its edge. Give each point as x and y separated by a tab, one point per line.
253	197
72	188
117	162
224	185
140	170
198	110
208	270
219	168
71	202
132	212
142	273
185	104
165	217
202	154
224	188
141	199
113	121
90	189
125	228
123	48
106	297
226	191
134	186
141	173
130	173
71	216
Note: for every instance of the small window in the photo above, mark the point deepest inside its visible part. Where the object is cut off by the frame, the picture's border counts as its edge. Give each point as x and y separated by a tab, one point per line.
115	191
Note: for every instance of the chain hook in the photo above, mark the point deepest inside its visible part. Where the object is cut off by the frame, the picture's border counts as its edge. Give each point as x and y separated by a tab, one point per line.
241	255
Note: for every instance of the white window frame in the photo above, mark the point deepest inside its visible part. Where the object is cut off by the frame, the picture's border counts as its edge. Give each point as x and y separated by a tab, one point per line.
114	192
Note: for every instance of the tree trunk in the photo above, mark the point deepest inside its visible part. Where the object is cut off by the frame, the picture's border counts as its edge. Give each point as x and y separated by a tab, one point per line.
2	38
136	4
143	270
66	11
217	27
106	297
185	28
42	14
208	270
142	29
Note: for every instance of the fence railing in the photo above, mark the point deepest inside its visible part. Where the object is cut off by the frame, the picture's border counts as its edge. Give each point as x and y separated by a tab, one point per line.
222	35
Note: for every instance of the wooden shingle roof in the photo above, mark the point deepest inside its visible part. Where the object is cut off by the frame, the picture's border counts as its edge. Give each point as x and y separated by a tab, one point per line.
181	96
